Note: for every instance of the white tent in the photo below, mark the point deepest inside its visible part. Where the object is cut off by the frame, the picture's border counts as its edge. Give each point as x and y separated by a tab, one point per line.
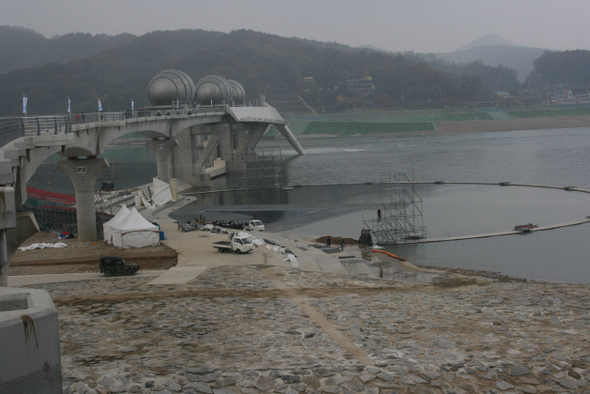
107	227
135	232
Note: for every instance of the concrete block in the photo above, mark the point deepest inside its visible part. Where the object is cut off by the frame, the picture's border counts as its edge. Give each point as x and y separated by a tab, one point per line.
6	176
12	153
7	208
29	342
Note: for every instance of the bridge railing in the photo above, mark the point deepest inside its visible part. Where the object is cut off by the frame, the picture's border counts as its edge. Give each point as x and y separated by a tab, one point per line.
93	117
14	127
11	128
38	125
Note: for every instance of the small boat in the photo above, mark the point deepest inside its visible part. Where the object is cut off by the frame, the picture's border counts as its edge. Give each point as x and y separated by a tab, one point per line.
525	228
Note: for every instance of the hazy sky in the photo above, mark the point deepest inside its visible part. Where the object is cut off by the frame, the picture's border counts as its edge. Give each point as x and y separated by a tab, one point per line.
397	25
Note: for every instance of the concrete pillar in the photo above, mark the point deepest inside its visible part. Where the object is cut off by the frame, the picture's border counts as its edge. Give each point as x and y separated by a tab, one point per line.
288	134
26	227
218	146
7	221
248	136
4	262
83	173
163	150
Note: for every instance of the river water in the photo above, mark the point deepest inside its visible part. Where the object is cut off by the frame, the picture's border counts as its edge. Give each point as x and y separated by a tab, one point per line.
559	157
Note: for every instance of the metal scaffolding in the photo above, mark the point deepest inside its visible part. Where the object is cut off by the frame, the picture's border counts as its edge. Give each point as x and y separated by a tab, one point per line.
399	219
114	172
260	170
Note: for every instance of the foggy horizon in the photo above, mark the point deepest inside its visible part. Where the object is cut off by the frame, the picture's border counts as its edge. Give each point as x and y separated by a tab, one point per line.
424	26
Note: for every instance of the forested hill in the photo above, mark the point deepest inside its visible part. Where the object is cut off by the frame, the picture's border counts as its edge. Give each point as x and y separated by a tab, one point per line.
259	61
566	68
22	48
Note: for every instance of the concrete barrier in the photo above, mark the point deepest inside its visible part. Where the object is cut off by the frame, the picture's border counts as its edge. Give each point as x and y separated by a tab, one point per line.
29	342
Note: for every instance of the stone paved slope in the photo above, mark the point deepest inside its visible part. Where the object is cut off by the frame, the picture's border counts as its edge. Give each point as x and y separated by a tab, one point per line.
241	329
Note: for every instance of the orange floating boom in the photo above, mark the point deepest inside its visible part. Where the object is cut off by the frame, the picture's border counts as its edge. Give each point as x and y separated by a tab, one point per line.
389	254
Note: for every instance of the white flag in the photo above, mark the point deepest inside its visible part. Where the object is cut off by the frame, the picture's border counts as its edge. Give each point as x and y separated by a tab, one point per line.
132	104
69	109
25	105
99	106
177	102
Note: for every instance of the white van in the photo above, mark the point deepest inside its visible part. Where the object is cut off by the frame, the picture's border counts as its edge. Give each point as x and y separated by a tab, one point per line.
255	225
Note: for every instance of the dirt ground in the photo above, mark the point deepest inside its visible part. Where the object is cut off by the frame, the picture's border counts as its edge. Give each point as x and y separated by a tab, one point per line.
83	256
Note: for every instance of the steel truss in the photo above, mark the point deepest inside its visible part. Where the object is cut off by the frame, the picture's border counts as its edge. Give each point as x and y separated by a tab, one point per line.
401	217
260	170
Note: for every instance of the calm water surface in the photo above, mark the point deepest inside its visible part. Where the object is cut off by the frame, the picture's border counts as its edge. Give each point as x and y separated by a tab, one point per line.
559	157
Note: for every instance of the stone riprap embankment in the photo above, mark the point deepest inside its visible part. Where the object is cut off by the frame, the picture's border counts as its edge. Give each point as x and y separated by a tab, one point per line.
262	329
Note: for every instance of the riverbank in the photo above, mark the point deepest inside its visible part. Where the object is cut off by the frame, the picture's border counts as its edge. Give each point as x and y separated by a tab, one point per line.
262	328
329	127
554	122
259	323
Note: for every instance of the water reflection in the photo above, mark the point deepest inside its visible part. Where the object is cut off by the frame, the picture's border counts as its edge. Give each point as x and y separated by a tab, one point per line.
556	255
260	196
396	270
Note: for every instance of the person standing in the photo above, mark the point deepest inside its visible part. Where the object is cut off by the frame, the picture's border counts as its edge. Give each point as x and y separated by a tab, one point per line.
378	214
329	241
342	243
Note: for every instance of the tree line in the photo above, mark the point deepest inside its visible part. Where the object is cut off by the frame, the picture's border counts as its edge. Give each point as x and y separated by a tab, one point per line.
568	68
120	71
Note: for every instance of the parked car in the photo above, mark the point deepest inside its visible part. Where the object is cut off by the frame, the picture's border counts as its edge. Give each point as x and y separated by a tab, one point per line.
117	266
255	225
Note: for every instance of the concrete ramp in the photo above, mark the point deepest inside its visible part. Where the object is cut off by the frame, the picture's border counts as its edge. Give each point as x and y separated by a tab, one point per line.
178	275
357	267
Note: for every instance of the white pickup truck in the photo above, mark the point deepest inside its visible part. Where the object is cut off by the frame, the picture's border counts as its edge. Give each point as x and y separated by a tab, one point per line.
255	225
237	244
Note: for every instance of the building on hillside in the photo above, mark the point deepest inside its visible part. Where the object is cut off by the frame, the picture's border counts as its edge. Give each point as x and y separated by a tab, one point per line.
565	95
581	93
504	94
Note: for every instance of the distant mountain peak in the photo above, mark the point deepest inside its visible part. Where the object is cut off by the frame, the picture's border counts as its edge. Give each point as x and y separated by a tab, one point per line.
487	39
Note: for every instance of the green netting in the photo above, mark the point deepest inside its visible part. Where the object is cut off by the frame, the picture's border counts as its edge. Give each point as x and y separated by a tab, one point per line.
352	128
531	114
438	117
552	111
351	123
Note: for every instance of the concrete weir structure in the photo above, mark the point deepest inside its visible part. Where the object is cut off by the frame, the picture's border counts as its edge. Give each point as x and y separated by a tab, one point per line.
29	346
197	131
